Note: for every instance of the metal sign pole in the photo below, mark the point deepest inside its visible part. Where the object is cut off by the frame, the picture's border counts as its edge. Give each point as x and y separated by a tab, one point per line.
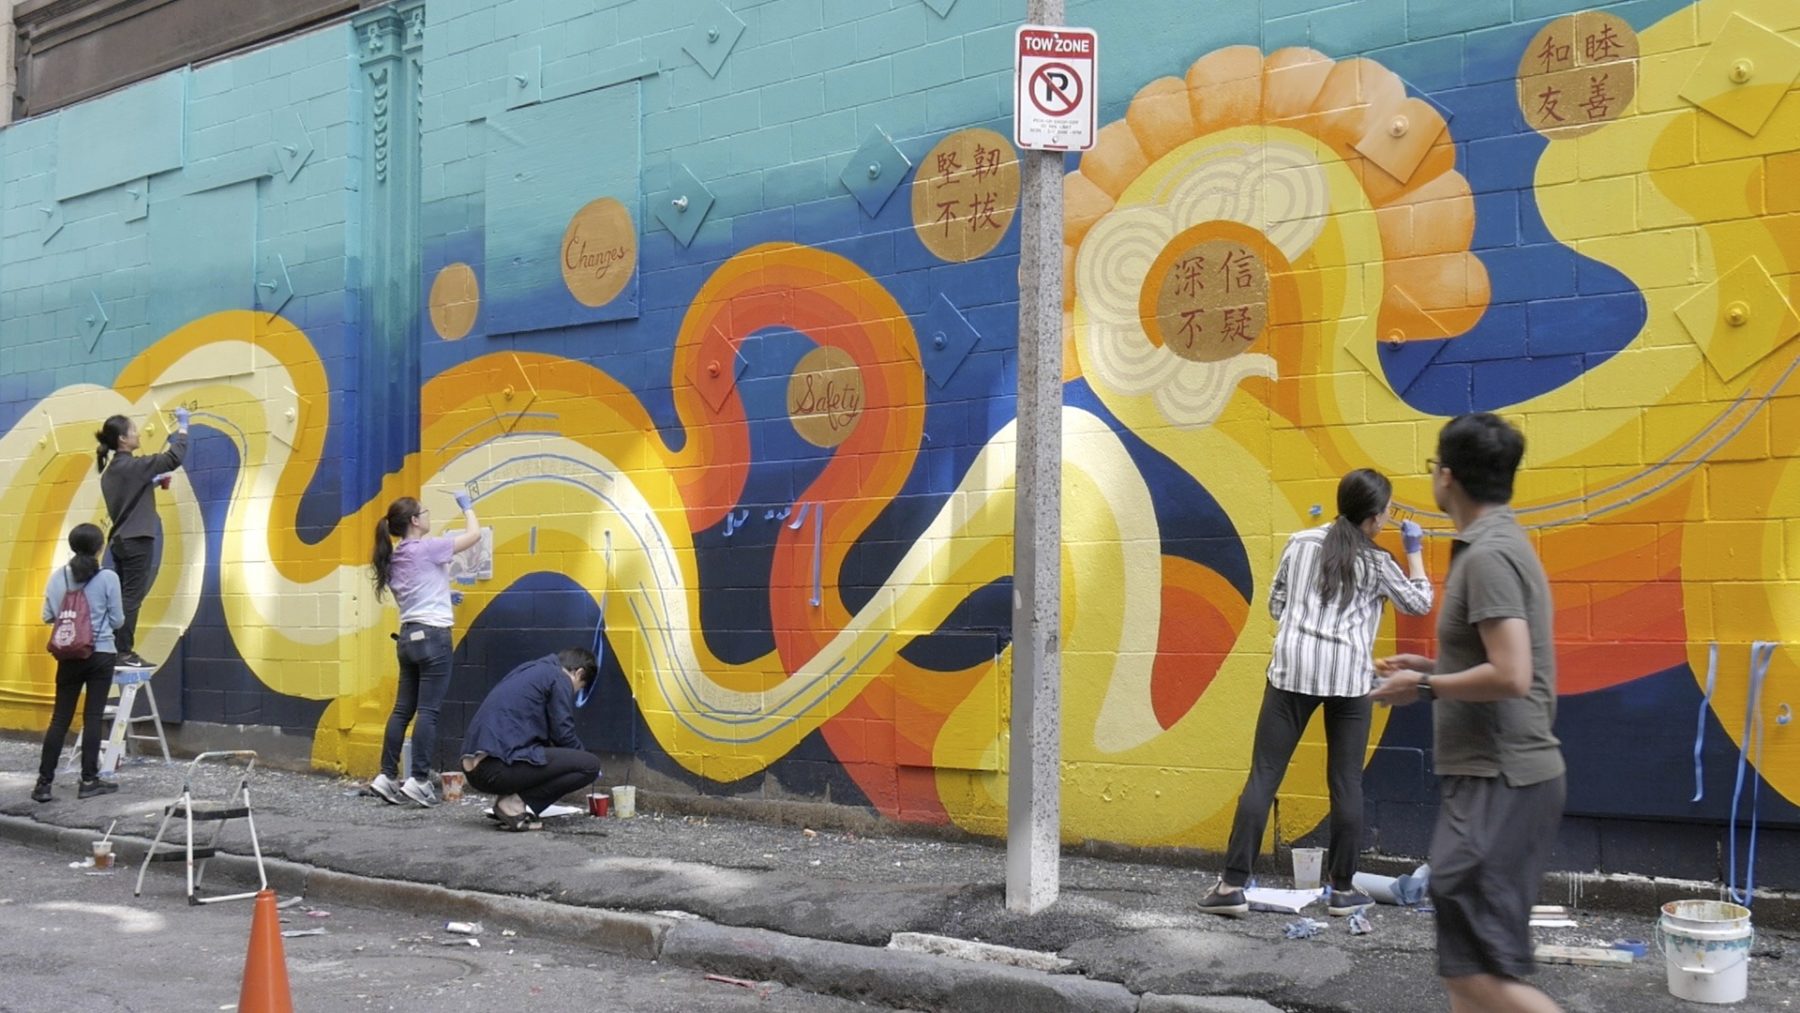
1034	787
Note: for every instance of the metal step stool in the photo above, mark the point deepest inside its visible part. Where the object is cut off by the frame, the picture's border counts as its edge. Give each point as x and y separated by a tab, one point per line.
131	684
236	805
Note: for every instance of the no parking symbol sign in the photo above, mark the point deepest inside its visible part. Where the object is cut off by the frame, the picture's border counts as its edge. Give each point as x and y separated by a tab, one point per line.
1055	91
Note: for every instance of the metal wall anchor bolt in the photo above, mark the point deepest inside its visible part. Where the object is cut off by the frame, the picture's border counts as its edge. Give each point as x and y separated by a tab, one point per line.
1743	70
1396	336
269	285
522	79
712	34
289	148
938	341
1737	314
88	320
679	203
712	368
874	170
1398	127
289	414
508	392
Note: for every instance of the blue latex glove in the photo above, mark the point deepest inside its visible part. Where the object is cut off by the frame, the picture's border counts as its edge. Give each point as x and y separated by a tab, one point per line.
463	502
1412	537
181	418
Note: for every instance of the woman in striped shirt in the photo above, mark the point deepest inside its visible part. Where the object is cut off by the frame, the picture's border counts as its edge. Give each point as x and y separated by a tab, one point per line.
1326	600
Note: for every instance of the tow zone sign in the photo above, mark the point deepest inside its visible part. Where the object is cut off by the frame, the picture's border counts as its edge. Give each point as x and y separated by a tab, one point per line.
1055	88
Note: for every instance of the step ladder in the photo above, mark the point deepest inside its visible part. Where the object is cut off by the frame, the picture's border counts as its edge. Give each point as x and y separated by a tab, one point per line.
130	684
192	810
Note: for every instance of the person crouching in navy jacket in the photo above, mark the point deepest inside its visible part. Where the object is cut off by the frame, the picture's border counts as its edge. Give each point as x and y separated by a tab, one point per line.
521	746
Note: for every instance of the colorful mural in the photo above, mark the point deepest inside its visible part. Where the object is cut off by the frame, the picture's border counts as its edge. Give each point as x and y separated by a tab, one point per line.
766	458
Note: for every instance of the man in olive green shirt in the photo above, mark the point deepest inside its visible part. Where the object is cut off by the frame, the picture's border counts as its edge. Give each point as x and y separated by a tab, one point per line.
1498	761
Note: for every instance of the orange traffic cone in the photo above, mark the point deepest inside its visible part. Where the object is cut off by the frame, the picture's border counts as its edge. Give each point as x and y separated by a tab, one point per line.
265	966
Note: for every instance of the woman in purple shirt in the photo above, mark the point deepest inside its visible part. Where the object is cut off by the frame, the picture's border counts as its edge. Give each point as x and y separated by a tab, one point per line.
417	571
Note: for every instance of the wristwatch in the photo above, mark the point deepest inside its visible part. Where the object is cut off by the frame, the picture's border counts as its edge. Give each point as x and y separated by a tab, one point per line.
1425	686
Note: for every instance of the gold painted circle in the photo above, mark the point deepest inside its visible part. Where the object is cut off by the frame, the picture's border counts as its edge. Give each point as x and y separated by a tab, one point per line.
1206	296
1578	74
965	194
599	252
455	301
825	397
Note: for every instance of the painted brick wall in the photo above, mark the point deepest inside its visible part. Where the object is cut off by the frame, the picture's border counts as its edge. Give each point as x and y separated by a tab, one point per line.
713	307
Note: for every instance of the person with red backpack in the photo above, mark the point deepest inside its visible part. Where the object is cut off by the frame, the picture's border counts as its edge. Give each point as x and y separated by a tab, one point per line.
84	606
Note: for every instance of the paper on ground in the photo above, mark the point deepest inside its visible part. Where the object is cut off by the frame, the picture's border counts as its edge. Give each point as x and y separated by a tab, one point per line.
1284	901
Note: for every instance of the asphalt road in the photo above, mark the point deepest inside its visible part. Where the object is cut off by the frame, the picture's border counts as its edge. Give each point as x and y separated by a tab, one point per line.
74	941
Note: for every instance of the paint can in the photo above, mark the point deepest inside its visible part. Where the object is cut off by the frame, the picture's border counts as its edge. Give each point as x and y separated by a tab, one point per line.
103	855
626	797
453	785
599	804
1309	863
1706	947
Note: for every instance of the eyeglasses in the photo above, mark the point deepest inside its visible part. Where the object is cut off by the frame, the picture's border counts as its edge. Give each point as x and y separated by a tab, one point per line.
1432	465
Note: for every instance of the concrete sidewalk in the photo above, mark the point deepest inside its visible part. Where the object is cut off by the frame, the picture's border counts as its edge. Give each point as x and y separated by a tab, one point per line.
765	897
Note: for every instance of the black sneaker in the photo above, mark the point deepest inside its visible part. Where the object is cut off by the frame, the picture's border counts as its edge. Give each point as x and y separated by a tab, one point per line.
1347	902
131	659
41	793
89	789
1225	900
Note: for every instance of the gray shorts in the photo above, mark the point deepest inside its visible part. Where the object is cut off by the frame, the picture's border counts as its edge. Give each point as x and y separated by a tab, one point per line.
1488	856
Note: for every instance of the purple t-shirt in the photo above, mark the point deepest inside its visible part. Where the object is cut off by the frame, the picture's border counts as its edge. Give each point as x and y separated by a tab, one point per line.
419	576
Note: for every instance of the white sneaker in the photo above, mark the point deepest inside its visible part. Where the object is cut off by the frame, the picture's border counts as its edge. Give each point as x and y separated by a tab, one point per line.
384	786
420	792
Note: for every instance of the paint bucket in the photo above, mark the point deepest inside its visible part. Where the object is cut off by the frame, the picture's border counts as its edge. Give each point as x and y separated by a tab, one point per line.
1308	864
626	797
599	804
103	855
453	785
1706	946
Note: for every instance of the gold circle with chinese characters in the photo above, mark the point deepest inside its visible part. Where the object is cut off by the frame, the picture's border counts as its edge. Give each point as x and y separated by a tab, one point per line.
599	252
965	194
1206	297
825	396
455	301
1578	73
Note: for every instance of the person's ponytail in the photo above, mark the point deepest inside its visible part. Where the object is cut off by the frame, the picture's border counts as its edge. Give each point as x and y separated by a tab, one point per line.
108	436
1361	494
399	517
86	540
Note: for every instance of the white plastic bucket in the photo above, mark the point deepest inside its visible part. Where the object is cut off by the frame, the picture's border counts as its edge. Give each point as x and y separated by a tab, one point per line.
1706	947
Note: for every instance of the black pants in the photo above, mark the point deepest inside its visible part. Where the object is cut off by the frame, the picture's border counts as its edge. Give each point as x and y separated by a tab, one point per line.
131	558
424	679
1278	730
93	674
564	771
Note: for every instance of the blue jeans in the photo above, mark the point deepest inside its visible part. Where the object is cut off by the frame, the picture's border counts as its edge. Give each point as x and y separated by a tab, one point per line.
424	653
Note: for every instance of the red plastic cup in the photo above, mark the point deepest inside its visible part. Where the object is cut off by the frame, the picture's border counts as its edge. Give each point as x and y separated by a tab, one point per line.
599	804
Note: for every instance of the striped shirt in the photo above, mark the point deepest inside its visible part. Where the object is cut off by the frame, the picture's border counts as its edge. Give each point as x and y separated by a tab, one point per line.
1329	650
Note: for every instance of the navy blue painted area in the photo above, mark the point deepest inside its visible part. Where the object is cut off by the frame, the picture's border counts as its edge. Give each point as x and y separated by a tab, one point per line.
1560	336
1646	769
1183	505
972	634
218	687
539	614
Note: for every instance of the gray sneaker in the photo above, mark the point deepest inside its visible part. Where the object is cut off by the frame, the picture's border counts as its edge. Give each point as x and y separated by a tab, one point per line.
384	786
420	792
1225	900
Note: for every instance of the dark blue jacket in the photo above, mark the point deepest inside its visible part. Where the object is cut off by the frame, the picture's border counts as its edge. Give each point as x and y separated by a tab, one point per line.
533	707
